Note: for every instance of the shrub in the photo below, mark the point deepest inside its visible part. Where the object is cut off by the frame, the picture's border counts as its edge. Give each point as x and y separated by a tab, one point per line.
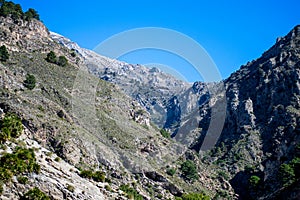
164	133
73	54
20	161
22	179
62	61
295	163
71	188
287	174
4	55
35	194
99	176
51	57
5	174
224	175
131	192
108	188
254	181
189	170
57	159
30	81
11	126
86	174
171	171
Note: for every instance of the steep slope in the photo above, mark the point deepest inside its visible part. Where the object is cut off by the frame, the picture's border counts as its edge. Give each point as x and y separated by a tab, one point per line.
91	126
260	140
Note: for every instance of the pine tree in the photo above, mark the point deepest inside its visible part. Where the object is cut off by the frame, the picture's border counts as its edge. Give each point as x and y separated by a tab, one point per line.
4	55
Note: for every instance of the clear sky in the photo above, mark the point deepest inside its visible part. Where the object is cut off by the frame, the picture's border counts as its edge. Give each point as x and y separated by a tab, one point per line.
233	32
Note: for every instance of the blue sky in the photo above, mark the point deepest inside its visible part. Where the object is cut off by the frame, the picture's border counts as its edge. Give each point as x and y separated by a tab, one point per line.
232	32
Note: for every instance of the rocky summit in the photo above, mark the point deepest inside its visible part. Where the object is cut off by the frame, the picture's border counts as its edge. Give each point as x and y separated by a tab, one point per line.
78	125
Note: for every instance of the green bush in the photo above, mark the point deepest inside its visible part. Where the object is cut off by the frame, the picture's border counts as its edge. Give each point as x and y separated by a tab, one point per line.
164	133
97	176
62	61
30	81
22	179
5	175
51	57
171	171
4	55
195	196
10	126
20	161
287	174
71	188
189	170
131	192
57	159
295	163
35	194
254	181
86	174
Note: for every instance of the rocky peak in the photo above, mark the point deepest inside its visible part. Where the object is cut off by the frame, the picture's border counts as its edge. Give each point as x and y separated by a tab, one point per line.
21	34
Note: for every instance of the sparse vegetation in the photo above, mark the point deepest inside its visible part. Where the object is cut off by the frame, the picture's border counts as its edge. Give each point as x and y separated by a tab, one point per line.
20	161
193	196
131	192
35	194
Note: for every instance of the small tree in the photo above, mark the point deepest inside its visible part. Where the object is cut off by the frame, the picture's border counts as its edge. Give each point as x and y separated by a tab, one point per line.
51	57
30	81
31	14
4	55
189	170
62	61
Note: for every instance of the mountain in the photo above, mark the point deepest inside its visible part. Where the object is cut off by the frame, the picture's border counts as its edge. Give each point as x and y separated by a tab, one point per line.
78	125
